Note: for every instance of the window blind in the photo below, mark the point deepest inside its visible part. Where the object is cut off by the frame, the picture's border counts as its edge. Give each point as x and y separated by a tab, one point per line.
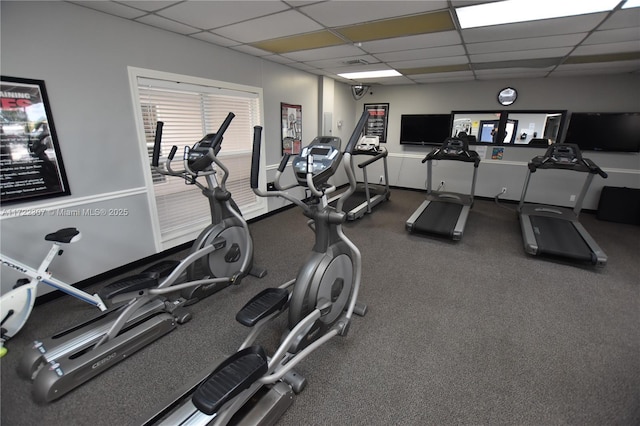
189	112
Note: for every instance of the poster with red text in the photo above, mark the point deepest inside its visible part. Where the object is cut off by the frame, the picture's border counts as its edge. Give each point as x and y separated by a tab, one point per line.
30	161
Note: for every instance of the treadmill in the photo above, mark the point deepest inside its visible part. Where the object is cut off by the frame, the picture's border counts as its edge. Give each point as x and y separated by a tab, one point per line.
367	195
445	213
556	231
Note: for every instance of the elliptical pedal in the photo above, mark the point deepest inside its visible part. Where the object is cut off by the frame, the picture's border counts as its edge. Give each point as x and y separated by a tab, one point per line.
141	281
162	268
231	377
262	305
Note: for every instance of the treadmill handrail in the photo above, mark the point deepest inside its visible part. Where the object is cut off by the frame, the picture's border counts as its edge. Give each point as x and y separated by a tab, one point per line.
464	154
380	155
575	160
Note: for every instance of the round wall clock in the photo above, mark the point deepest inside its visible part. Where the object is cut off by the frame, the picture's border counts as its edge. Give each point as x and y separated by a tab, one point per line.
507	96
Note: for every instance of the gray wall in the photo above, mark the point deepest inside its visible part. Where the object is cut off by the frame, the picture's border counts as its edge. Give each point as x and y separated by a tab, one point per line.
83	55
618	93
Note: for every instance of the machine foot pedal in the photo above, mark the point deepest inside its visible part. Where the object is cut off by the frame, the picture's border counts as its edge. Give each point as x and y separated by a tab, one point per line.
230	378
163	268
263	304
141	281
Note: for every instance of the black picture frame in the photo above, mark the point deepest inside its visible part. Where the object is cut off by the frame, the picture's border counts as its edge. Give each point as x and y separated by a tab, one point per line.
30	159
378	121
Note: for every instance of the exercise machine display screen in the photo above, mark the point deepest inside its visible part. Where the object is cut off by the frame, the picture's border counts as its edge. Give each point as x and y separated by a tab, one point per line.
325	154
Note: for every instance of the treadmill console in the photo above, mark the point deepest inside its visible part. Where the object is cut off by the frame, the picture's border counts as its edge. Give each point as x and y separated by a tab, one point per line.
323	154
454	146
563	154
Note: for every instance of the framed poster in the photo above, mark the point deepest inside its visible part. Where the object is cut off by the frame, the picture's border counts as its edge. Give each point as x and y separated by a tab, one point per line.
378	120
291	125
30	161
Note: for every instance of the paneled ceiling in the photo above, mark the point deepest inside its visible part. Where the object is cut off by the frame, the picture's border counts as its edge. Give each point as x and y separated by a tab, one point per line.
422	40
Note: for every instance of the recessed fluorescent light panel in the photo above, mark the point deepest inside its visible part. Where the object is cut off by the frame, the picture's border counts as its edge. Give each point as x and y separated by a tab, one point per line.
370	74
511	11
631	3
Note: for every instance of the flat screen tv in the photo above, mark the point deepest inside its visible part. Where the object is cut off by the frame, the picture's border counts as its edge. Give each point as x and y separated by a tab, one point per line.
424	129
616	132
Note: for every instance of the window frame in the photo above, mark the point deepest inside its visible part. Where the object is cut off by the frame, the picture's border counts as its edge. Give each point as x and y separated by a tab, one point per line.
258	208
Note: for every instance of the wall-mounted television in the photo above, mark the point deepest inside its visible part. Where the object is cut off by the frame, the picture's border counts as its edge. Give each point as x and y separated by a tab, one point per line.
617	132
424	129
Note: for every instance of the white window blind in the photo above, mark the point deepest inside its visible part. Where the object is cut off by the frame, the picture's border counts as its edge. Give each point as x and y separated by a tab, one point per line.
189	112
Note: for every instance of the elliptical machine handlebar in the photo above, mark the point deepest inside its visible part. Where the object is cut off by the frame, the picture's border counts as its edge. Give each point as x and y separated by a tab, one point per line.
205	161
348	159
193	168
155	159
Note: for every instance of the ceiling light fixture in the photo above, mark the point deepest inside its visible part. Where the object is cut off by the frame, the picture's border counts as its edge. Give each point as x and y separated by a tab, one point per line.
369	74
512	11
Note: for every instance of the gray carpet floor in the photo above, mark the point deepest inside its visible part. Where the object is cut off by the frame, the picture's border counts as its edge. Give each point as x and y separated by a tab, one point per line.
469	332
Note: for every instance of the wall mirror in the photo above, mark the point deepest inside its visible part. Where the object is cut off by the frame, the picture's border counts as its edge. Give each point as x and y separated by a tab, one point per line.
517	128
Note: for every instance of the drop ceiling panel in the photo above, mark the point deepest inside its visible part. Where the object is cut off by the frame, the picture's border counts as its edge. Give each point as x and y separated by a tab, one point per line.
397	27
626	18
443	77
444	38
269	27
339	13
253	51
608	48
421	39
341	62
621	65
558	26
390	81
453	60
595	69
214	14
279	59
417	54
525	44
613	36
215	39
149	6
112	8
521	54
511	73
167	24
299	42
325	53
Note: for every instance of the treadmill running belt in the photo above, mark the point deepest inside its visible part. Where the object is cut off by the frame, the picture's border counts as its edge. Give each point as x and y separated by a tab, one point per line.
438	218
352	202
560	238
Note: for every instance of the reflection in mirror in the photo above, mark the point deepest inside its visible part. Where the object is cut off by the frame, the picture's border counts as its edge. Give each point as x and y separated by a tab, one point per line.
536	126
532	128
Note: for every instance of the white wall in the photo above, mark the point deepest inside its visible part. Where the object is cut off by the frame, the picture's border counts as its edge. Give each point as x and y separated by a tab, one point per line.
618	93
83	55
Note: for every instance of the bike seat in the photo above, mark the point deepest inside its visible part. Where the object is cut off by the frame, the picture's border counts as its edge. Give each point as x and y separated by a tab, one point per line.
141	281
65	235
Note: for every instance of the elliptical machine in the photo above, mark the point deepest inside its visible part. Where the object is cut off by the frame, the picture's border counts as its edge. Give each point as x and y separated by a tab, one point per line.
251	387
226	218
141	312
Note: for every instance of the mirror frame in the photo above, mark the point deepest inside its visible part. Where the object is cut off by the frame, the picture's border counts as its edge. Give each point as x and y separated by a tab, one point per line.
502	116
